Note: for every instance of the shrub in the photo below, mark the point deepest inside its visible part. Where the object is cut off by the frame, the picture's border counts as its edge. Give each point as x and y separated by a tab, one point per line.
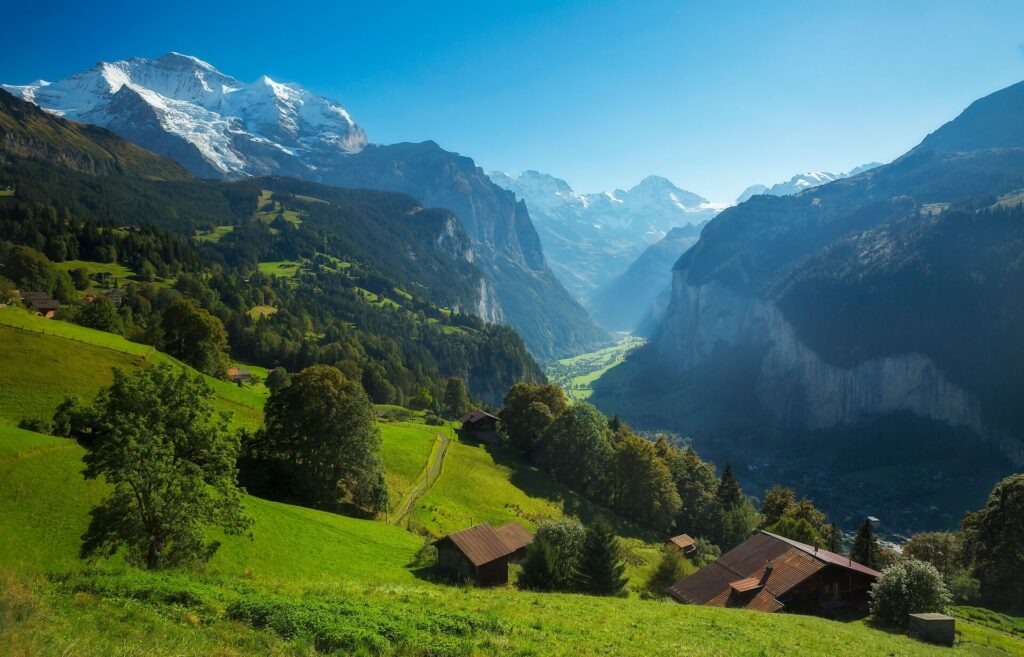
671	568
909	587
37	424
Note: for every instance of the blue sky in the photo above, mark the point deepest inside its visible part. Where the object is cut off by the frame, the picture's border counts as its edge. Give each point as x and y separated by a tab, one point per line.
714	95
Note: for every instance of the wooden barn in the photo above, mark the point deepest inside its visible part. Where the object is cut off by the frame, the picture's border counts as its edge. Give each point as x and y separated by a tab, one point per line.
480	425
482	553
685	543
772	573
479	421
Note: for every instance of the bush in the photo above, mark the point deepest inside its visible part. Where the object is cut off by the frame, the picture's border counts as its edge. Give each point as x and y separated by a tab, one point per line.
37	424
433	420
671	568
909	587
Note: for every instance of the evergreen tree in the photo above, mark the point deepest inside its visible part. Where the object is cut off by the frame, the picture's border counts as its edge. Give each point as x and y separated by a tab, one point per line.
538	572
601	566
866	549
729	495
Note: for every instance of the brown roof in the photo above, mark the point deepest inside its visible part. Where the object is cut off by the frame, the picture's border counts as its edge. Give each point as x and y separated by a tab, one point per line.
744	585
476	416
45	304
829	557
483	544
683	541
777	563
514	536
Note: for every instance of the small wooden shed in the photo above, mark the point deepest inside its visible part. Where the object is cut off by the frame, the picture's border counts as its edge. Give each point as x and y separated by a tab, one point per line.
684	542
482	553
934	628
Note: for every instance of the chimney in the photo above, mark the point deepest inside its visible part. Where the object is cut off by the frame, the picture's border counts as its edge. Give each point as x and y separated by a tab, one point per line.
768	567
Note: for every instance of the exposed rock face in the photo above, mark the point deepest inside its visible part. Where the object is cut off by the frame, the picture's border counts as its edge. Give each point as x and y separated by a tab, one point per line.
794	384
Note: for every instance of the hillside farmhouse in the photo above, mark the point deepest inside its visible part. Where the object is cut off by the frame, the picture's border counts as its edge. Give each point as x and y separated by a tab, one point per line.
772	573
482	553
480	425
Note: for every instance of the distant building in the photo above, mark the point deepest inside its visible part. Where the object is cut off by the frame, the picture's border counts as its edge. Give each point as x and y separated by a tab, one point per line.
686	544
42	304
116	296
239	375
480	425
771	573
482	553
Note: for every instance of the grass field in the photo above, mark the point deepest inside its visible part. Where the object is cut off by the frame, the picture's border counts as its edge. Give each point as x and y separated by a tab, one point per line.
214	235
309	583
261	311
45	360
577	374
406	448
286	268
114	269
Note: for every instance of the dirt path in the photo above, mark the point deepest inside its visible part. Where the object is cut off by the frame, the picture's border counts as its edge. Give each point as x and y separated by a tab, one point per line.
430	475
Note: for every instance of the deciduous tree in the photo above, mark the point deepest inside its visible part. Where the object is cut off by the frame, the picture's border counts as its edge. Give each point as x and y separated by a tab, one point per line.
171	465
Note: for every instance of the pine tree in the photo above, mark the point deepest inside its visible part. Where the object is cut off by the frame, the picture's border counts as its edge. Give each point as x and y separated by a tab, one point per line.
538	572
601	568
729	494
866	549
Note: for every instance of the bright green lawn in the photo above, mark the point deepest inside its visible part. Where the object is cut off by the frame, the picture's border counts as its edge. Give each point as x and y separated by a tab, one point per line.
406	449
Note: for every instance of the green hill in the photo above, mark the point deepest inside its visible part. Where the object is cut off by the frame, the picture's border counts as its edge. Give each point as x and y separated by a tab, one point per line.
309	582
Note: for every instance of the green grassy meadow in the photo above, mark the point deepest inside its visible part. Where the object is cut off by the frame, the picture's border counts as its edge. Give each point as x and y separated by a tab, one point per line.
307	582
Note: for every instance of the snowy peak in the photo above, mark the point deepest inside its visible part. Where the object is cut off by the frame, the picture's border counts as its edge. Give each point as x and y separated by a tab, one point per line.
591	238
235	129
802	181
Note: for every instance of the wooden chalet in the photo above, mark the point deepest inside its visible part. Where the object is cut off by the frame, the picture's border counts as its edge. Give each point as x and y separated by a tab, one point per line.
684	542
42	304
481	426
772	573
479	421
239	375
482	553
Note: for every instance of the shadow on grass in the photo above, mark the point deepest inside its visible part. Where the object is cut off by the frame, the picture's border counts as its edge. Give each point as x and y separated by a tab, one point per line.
536	483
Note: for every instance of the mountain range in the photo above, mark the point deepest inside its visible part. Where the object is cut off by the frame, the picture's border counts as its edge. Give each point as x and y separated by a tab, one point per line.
852	323
802	181
218	127
591	238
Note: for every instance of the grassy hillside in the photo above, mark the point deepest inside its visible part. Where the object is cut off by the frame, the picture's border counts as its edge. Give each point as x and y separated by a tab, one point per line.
308	582
45	360
46	506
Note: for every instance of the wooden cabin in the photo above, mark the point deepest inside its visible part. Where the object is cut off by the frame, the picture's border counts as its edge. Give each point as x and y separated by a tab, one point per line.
482	553
685	543
773	573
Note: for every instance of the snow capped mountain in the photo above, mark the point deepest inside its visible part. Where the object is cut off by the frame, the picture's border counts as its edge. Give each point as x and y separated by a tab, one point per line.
802	181
216	126
591	238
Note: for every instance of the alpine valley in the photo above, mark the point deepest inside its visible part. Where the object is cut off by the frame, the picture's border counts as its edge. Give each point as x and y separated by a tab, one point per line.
269	388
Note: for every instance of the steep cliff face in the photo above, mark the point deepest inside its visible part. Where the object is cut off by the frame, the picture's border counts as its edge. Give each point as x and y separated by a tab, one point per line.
794	385
521	289
867	329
